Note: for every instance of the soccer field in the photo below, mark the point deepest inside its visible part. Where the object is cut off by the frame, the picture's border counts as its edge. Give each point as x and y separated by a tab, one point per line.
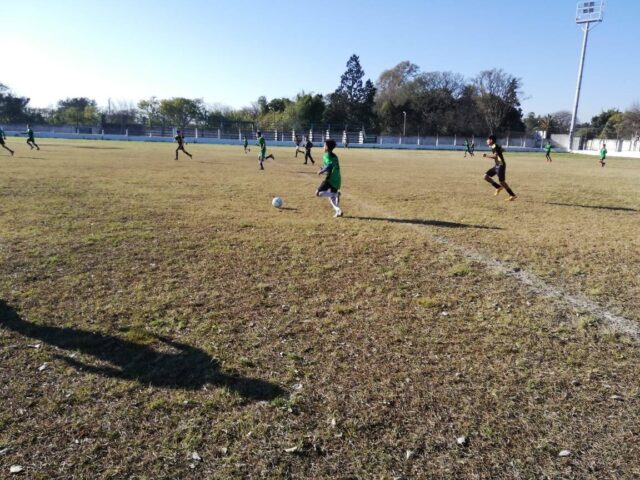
160	319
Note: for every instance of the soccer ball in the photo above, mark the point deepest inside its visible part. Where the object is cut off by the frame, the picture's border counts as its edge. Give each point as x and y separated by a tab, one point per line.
277	202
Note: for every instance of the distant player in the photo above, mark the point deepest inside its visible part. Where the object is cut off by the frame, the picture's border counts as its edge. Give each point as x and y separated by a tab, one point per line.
263	151
307	152
547	149
499	169
2	139
30	138
603	155
467	148
246	145
473	148
180	139
297	141
330	186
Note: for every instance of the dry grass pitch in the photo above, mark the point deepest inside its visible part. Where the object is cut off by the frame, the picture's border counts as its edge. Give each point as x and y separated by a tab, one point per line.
159	319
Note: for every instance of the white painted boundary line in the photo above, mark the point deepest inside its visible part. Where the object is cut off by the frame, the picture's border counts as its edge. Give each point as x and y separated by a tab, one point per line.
536	285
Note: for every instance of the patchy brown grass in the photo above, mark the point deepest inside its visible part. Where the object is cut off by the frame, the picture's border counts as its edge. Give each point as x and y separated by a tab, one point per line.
175	311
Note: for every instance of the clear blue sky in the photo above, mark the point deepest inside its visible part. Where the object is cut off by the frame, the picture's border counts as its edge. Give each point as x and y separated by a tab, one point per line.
232	51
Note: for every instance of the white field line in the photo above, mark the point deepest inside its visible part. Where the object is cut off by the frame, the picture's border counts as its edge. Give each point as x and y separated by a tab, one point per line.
534	283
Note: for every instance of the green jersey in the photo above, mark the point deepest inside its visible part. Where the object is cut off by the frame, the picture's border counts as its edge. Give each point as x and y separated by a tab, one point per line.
330	161
466	145
497	151
603	153
548	147
2	135
29	133
246	143
262	144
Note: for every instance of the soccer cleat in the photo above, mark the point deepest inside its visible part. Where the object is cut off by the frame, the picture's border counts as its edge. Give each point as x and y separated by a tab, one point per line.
511	198
498	190
338	213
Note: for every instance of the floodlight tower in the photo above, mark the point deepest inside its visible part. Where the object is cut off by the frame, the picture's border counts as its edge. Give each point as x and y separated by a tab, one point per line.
588	15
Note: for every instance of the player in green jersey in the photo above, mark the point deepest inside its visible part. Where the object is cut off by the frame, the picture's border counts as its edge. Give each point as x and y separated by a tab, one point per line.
500	169
330	186
246	145
603	155
263	151
547	149
2	139
180	139
30	138
467	148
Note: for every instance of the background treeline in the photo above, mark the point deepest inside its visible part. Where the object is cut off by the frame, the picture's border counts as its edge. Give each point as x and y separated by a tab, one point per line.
403	100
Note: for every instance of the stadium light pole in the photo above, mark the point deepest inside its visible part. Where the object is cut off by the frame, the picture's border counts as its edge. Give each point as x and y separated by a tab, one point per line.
588	15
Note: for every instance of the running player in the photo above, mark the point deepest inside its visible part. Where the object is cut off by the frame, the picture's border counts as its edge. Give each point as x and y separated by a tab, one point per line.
263	151
330	186
307	151
30	138
547	149
180	139
603	155
500	169
2	139
467	148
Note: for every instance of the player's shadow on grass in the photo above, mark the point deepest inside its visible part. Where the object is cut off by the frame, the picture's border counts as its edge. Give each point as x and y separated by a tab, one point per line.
174	365
595	207
431	223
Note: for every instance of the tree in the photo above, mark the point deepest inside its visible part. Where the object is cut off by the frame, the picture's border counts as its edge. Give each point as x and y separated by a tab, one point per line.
150	108
599	121
306	109
77	110
532	123
180	111
12	108
353	101
630	125
547	124
613	127
497	97
562	121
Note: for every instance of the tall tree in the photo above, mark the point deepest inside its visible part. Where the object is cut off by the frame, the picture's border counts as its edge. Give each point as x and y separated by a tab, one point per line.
599	121
497	97
353	101
77	110
12	108
630	125
150	109
180	111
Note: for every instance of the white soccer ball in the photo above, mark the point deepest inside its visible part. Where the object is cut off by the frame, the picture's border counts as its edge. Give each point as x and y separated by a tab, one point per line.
277	202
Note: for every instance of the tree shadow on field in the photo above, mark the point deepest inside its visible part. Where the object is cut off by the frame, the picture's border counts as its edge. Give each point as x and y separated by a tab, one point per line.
431	223
178	366
594	207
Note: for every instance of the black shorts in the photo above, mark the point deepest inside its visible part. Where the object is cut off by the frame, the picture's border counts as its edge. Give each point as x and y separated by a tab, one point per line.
500	170
325	186
1	141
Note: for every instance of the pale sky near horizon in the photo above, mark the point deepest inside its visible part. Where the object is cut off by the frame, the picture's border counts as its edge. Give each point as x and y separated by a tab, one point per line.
231	52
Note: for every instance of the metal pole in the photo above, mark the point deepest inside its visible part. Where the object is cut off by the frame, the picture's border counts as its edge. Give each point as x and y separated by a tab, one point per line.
404	126
577	99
